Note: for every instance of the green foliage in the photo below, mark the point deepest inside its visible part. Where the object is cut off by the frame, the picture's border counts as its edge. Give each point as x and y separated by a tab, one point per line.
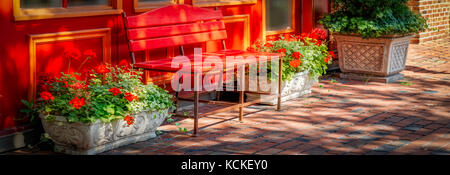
99	102
30	110
373	18
314	55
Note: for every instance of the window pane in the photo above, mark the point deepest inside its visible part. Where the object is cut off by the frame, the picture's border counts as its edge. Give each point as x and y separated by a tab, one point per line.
278	15
40	3
71	3
320	10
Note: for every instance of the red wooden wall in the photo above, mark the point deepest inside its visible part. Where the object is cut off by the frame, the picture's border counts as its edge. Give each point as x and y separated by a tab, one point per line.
15	54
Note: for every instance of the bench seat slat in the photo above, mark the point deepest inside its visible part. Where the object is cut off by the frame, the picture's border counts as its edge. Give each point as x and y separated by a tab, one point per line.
166	64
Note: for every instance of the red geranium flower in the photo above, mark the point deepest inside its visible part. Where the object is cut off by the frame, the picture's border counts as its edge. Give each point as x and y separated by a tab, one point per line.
332	54
327	59
89	53
102	69
282	50
318	43
314	36
66	85
125	65
297	55
129	119
72	53
115	91
47	96
130	97
320	33
77	103
295	63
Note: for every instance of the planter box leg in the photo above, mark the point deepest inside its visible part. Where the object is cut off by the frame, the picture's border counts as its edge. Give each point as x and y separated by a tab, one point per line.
280	82
196	103
197	89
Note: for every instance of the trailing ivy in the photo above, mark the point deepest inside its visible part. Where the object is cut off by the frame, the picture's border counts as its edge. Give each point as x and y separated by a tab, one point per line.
373	18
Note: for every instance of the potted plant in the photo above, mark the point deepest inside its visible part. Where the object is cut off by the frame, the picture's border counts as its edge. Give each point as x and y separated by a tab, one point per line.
305	59
109	109
373	37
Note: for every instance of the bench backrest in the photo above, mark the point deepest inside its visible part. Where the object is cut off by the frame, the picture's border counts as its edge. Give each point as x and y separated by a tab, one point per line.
173	25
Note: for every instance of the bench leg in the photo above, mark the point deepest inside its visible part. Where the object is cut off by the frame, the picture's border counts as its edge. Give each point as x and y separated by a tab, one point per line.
241	93
241	108
196	103
197	78
177	92
280	81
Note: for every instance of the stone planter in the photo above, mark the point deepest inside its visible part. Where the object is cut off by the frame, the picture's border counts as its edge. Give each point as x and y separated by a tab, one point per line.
298	86
93	138
374	59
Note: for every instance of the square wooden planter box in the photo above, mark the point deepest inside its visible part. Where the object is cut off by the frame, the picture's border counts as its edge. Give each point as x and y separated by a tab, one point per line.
374	59
93	138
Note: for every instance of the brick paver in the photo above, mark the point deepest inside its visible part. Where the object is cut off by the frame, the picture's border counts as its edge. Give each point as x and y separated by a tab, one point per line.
339	117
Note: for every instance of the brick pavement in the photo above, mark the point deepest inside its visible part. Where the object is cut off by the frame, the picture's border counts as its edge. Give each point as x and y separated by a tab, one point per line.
340	117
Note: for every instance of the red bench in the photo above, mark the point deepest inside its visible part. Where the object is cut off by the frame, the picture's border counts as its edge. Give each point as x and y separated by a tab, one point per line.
178	25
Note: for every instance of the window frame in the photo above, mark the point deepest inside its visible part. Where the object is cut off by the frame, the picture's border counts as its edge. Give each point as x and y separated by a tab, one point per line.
21	14
215	3
139	7
277	32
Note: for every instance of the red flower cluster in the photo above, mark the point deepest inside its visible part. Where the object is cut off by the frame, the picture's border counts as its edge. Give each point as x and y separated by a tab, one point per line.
319	34
282	50
47	96
101	69
318	42
72	53
90	54
125	65
115	91
129	119
130	97
329	57
332	54
295	63
268	45
77	103
297	55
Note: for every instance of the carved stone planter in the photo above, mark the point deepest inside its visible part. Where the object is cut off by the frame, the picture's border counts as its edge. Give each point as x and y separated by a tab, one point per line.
375	59
93	138
298	86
